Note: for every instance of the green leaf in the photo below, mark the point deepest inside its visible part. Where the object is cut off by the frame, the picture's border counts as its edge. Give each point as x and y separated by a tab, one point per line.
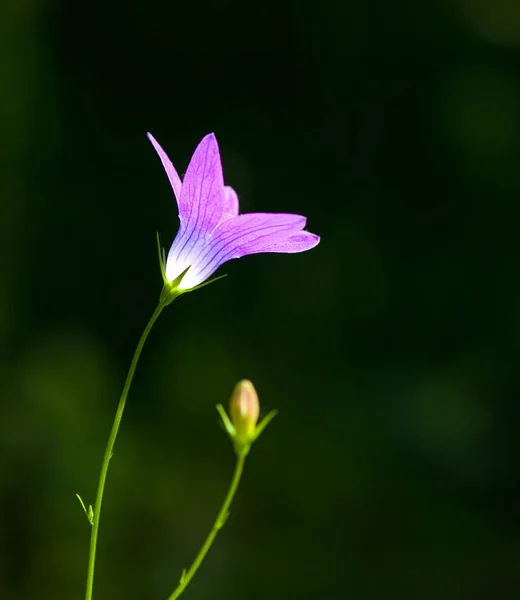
88	513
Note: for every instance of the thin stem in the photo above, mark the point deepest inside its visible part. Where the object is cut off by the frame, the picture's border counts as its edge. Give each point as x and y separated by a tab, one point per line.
219	523
109	450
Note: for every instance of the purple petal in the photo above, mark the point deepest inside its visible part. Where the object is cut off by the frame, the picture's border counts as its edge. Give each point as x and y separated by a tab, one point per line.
299	242
250	234
202	196
175	180
230	206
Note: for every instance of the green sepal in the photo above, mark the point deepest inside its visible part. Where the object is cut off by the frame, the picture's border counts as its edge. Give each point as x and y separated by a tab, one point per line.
162	260
201	285
264	423
171	290
242	446
228	426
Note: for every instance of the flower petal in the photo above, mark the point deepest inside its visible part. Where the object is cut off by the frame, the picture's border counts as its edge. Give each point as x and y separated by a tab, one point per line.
174	178
248	234
183	253
202	197
299	242
230	207
245	233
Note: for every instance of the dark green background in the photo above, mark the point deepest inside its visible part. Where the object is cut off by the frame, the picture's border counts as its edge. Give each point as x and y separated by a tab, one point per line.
391	350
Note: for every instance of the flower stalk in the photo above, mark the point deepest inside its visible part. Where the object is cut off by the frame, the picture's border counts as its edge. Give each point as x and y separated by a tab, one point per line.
243	431
96	510
222	516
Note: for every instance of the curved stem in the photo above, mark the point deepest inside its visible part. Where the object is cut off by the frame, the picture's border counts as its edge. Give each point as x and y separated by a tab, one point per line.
109	450
219	523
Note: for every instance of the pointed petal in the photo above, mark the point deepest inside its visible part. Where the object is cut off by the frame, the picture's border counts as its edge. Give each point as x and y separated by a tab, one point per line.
249	234
202	203
202	196
174	178
299	242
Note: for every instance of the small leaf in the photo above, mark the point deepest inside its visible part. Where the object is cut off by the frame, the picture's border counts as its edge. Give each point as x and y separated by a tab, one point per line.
82	504
183	577
88	513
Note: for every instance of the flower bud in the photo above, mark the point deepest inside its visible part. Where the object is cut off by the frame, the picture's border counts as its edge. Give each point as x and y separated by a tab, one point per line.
244	410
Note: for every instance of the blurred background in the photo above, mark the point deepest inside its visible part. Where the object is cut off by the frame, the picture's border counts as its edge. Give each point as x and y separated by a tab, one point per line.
391	350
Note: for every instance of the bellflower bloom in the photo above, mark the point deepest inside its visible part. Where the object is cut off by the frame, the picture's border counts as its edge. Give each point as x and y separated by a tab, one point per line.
211	231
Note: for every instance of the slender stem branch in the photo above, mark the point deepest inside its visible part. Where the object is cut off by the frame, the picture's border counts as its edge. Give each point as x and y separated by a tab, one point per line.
219	523
109	450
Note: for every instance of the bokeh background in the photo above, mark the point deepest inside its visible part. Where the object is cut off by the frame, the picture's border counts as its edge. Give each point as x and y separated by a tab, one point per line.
391	350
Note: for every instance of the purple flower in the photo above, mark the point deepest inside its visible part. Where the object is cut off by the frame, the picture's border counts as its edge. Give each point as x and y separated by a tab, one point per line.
211	231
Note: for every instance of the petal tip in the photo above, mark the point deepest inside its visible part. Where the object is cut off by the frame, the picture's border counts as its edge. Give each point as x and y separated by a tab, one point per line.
209	138
154	142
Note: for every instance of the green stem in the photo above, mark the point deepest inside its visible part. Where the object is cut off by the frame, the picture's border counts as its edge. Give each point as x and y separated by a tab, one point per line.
219	522
109	450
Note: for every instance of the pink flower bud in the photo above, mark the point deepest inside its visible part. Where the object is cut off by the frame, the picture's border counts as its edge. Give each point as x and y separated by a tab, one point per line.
244	410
